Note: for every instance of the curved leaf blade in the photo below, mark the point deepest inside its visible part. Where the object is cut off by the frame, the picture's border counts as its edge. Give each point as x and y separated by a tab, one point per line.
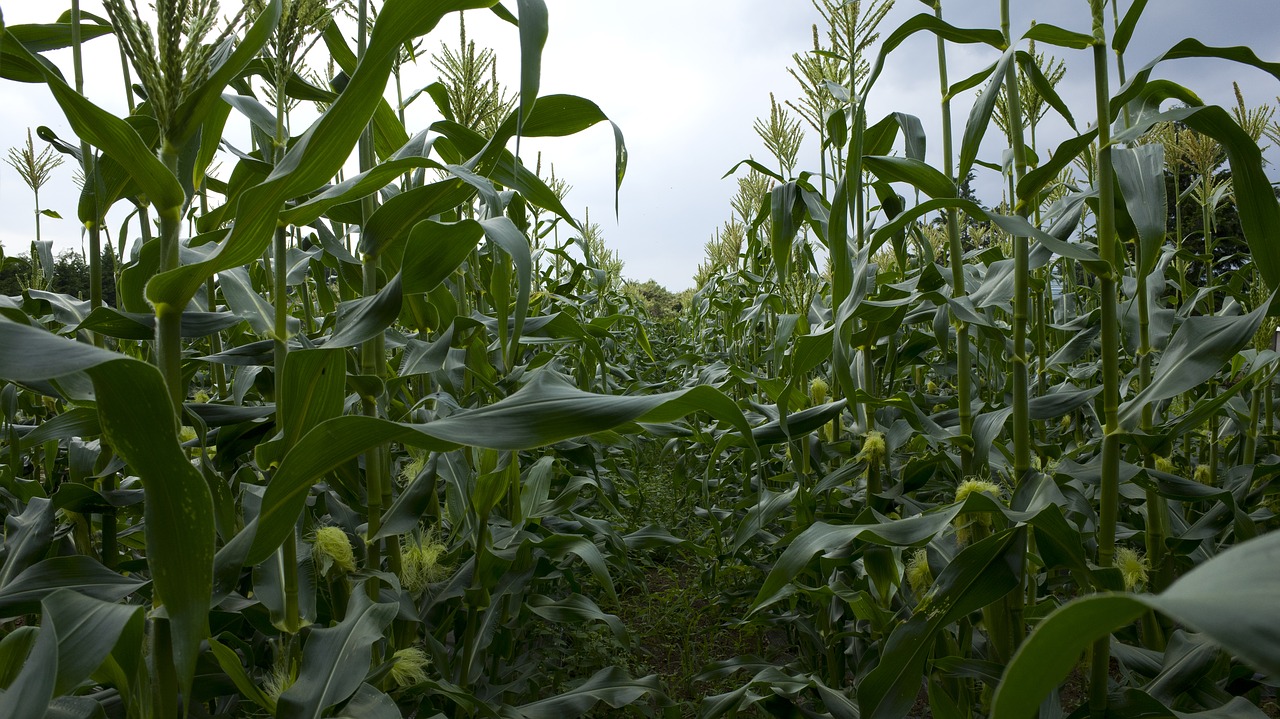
137	419
336	660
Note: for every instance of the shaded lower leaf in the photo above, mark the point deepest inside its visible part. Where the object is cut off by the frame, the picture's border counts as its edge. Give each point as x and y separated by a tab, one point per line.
611	686
24	594
1245	621
137	419
978	576
335	660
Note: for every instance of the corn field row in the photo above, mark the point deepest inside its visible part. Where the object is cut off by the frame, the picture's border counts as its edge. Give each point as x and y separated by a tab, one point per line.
372	427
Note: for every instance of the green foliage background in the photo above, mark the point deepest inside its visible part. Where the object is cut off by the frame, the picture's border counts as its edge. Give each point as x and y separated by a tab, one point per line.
372	426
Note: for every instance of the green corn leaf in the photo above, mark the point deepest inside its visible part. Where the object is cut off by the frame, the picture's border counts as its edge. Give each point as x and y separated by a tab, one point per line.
978	576
1036	179
55	36
1197	351
798	424
495	162
842	350
1124	32
396	218
980	115
32	689
821	537
1188	48
533	37
502	232
318	155
137	419
24	594
1043	87
914	172
506	15
769	506
440	96
928	23
335	660
758	168
142	326
838	245
563	115
1058	543
361	319
410	505
1061	37
229	661
353	188
574	609
14	650
87	630
77	633
1057	643
211	130
785	216
1244	621
1140	175
1058	403
611	686
879	138
560	546
259	115
913	136
313	391
75	707
434	250
369	703
26	65
545	411
27	537
245	302
970	82
553	116
1010	223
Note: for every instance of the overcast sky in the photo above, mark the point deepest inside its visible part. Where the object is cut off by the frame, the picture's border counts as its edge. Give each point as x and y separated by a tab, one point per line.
685	80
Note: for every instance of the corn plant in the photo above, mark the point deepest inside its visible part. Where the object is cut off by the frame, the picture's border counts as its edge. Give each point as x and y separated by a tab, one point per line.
924	550
306	532
376	428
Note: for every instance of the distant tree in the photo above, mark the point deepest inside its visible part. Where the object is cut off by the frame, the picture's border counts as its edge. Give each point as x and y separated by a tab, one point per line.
108	276
70	276
1197	178
15	275
658	301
